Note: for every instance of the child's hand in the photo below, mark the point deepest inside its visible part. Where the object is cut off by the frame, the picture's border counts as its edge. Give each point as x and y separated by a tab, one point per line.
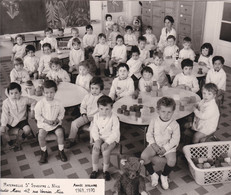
97	145
162	151
3	129
104	146
55	122
156	147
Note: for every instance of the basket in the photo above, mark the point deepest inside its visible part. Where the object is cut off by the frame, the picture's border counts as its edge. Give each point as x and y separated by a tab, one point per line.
208	150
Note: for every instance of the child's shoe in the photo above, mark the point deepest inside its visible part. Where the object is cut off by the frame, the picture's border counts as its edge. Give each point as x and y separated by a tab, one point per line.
97	72
154	179
106	176
94	175
164	182
44	156
69	143
62	156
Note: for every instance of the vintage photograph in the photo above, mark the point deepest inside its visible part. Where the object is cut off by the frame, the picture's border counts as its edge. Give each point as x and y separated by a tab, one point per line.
136	93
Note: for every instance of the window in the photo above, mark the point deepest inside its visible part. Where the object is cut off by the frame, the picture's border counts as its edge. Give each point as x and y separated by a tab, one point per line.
225	33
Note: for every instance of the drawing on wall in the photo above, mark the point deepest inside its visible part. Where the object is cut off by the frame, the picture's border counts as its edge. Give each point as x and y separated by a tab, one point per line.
114	6
12	7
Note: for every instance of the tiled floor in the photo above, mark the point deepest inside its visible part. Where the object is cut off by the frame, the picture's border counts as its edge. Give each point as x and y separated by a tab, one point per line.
24	164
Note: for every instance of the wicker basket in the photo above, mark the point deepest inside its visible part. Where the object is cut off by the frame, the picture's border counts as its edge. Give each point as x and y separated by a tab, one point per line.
208	150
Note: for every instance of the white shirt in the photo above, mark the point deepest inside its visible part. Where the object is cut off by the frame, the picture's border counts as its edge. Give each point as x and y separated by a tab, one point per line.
159	74
188	80
31	63
163	37
120	52
164	134
69	44
108	25
143	84
19	76
44	64
89	40
170	51
144	54
107	129
218	78
60	74
49	110
76	56
101	49
130	39
121	88
187	54
134	67
112	38
151	41
207	60
52	41
83	81
206	118
19	50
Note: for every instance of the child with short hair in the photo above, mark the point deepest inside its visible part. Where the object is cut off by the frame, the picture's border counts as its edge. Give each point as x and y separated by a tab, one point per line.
186	80
18	73
151	39
108	24
31	62
88	109
122	85
171	50
84	77
19	49
129	37
14	115
187	52
76	55
146	81
144	53
75	34
105	132
49	114
205	58
163	137
112	36
101	53
49	39
206	114
60	32
56	73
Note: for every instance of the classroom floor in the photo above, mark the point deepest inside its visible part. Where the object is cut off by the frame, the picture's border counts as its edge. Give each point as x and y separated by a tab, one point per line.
24	164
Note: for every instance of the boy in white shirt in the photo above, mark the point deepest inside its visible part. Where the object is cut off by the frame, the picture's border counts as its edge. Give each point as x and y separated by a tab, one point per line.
75	34
144	53
171	50
206	114
130	38
49	114
49	39
163	137
122	85
19	49
105	132
151	40
88	109
146	81
187	52
186	80
112	36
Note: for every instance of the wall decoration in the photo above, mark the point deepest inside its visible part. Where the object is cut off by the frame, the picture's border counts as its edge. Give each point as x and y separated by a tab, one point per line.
114	6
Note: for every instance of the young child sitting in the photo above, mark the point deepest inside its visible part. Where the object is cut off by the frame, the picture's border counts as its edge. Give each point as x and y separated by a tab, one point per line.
75	34
171	49
186	80
88	109
163	137
122	85
49	39
151	39
205	58
119	54
76	55
49	114
105	132
84	77
108	24
31	62
112	36
56	73
146	81
14	115
187	52
101	53
206	114
19	49
144	53
129	37
18	73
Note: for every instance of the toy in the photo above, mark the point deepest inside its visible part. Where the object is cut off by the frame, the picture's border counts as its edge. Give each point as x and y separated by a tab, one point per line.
138	114
124	107
130	182
131	108
120	111
126	112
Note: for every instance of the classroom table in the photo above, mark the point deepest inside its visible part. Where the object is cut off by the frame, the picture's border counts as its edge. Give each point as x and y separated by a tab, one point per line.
61	54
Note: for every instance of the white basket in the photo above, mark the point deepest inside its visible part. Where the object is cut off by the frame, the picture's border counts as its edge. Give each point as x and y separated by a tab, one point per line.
208	150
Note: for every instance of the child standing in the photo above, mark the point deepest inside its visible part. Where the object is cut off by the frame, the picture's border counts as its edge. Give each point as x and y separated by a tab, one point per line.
130	38
205	58
112	36
14	115
105	132
151	39
49	114
19	49
108	24
146	81
171	49
187	52
206	114
101	53
49	39
163	137
88	109
18	73
75	34
186	80
144	53
123	85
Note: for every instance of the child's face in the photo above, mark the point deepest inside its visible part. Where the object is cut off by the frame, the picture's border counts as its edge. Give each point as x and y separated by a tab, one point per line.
89	31
55	67
109	18
19	40
135	56
76	46
115	28
187	70
148	31
83	70
187	45
31	53
147	76
142	44
95	89
217	65
47	50
18	66
207	95
170	42
102	40
165	113
49	93
129	31
49	34
105	110
158	61
119	41
14	94
205	51
75	34
123	73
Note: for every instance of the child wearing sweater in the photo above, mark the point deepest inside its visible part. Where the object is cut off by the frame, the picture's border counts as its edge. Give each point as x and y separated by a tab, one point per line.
130	38
146	81
19	49
49	39
112	36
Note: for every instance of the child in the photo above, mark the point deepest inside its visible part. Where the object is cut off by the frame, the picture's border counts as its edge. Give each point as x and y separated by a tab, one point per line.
205	58
76	55
123	85
88	109
101	53
122	24
89	40
129	38
108	24
18	73
146	81
144	53
49	39
206	114
49	114
163	137
31	62
84	77
171	50
19	49
187	52
56	73
119	54
151	39
105	132
60	32
112	36
14	115
186	80
75	34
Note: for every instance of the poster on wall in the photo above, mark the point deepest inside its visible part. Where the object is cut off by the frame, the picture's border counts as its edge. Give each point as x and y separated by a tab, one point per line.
114	6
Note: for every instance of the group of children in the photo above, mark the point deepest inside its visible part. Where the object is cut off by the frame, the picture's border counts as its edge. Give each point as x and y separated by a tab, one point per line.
140	72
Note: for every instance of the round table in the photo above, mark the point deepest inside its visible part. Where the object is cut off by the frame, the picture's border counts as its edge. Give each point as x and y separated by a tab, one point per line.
68	94
64	54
